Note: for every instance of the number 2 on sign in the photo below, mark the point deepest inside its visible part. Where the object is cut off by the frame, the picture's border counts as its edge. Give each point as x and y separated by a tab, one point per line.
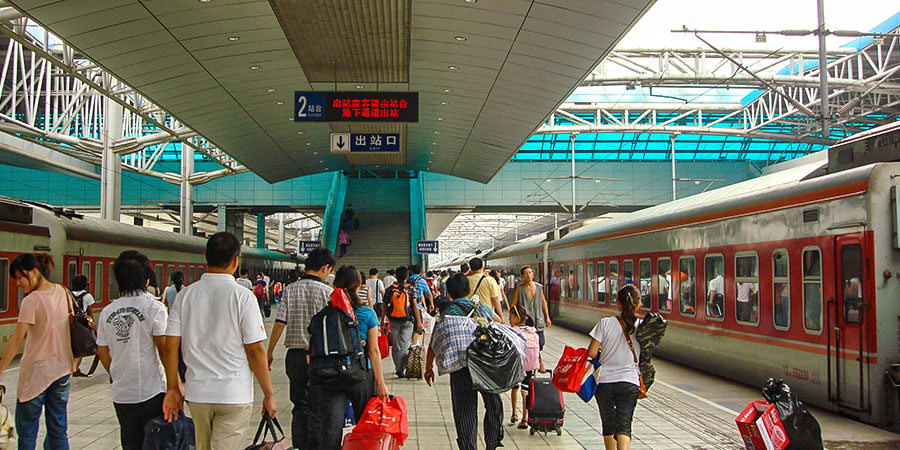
302	111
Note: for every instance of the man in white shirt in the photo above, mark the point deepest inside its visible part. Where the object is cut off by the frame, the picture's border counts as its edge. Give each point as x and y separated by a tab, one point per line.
376	290
389	279
244	280
716	295
130	338
219	328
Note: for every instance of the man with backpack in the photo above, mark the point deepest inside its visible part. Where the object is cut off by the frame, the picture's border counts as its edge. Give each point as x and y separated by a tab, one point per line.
301	301
401	310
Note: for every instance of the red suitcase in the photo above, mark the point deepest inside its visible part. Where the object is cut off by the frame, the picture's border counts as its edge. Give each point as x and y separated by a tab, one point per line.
370	441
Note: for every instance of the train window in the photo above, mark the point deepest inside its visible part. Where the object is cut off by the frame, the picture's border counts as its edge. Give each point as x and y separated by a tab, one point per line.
613	281
98	282
578	281
589	276
663	283
73	271
191	274
644	273
628	272
746	281
563	286
113	284
687	276
160	281
170	269
812	290
4	284
715	286
851	286
86	270
781	288
601	282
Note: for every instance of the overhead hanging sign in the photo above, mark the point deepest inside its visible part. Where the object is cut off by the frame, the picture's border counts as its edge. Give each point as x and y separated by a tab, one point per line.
364	142
307	246
356	106
423	247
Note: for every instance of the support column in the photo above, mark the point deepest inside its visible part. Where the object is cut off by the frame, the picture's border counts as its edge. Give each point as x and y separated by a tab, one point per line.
186	200
572	145
672	147
823	72
260	230
232	221
111	163
281	231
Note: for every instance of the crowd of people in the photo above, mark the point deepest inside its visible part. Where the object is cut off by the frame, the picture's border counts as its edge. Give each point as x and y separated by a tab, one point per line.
204	344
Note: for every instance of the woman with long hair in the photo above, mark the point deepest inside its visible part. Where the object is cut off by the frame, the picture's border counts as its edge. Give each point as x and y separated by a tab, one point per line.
84	300
174	288
619	379
328	400
46	363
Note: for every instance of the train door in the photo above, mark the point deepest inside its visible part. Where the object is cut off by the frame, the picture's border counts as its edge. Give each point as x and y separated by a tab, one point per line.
849	313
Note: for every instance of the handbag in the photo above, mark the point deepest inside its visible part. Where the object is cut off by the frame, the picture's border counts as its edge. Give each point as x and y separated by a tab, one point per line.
384	344
385	416
269	425
569	371
589	387
642	390
82	330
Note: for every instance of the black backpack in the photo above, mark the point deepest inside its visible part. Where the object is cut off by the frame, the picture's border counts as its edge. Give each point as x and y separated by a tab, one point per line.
335	350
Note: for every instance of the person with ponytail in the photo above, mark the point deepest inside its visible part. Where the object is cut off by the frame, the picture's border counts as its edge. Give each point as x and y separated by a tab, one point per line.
618	383
174	288
47	363
328	398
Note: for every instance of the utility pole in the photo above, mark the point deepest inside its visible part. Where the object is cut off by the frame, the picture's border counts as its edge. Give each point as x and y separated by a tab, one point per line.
823	72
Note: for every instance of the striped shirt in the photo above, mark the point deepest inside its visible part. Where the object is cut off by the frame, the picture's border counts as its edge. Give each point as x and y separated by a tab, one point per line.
301	301
421	286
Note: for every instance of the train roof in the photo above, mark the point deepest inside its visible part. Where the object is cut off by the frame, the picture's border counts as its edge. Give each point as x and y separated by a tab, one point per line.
523	245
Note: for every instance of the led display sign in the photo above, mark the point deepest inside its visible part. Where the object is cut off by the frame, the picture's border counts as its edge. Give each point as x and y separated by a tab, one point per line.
356	106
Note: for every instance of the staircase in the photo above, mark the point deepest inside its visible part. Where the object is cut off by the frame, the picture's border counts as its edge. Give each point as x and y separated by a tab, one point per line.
383	238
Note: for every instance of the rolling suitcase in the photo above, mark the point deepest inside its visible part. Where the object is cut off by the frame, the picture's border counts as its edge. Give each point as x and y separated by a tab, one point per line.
546	409
415	362
369	441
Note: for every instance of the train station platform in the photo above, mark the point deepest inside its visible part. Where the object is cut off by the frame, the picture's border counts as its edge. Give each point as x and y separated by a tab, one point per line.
686	409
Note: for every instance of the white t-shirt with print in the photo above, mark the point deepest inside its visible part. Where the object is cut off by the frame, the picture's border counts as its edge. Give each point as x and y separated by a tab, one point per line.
127	326
616	361
215	317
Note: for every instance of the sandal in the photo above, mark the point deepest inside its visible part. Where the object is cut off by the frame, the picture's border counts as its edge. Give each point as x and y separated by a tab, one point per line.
514	418
522	426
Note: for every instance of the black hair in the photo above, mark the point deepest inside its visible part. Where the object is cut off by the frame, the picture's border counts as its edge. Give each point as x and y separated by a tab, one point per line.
319	258
79	283
151	276
628	297
221	249
444	273
415	269
463	267
244	271
401	273
458	286
26	262
522	270
476	263
373	271
390	271
178	280
294	275
520	311
347	278
132	270
495	275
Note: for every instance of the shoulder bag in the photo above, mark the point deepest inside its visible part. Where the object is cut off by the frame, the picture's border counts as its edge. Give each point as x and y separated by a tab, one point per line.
82	331
642	390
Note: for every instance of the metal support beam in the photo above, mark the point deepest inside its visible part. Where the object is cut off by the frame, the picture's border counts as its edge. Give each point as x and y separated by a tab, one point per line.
111	173
186	199
281	231
572	146
672	146
260	230
823	74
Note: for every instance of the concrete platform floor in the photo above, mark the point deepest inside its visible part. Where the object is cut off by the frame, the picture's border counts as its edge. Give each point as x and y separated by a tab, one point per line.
686	409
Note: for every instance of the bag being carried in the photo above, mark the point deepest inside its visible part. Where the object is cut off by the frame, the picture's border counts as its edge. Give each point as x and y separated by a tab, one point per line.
399	304
269	425
384	416
494	361
335	351
82	331
7	424
159	434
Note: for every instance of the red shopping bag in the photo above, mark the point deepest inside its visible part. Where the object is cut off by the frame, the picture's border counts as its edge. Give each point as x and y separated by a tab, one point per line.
569	372
386	416
384	345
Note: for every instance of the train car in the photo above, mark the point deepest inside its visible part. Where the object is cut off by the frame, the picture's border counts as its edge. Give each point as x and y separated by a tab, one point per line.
793	275
83	245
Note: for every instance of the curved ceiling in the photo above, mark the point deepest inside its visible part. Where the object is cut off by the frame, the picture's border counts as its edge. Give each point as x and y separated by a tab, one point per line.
229	68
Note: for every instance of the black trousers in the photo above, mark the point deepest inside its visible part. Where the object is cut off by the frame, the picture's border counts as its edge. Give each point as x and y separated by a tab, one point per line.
297	369
465	413
133	417
328	407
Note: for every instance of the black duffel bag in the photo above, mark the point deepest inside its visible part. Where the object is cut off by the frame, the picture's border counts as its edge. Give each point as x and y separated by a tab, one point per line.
802	429
82	331
494	362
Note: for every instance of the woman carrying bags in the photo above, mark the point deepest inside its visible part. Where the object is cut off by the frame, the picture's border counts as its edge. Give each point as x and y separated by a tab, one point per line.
46	363
619	380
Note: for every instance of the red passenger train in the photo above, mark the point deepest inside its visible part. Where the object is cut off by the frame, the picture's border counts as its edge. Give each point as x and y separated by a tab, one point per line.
87	245
793	275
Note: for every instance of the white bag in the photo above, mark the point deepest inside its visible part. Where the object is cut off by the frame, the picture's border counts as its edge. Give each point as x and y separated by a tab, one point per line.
427	320
7	425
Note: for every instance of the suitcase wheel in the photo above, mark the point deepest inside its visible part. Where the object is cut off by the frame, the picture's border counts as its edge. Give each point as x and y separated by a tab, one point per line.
559	431
532	431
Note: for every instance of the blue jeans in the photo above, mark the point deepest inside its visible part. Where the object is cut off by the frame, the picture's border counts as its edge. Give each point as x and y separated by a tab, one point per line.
28	417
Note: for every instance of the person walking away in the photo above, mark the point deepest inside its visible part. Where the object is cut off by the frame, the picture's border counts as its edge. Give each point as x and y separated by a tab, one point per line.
344	241
530	295
130	342
329	397
261	293
501	284
219	328
278	291
524	324
485	287
376	290
46	363
464	269
244	279
302	300
618	382
177	278
403	316
448	346
390	279
424	298
84	300
349	216
362	291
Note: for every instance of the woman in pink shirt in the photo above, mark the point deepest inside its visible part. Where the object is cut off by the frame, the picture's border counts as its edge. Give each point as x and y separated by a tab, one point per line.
344	241
46	363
